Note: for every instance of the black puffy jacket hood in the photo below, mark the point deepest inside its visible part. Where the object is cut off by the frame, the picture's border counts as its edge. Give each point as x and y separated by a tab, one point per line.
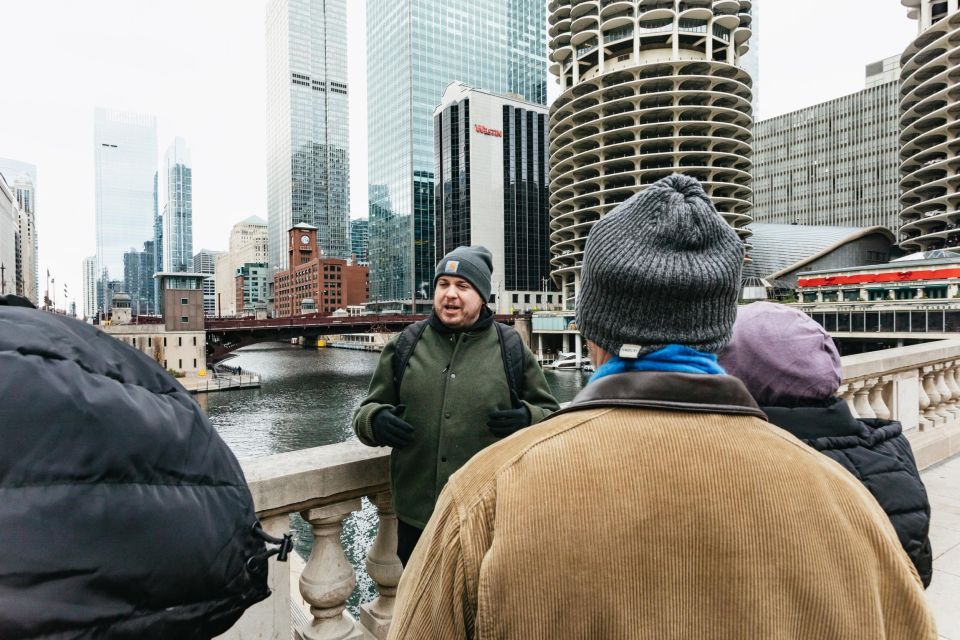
122	513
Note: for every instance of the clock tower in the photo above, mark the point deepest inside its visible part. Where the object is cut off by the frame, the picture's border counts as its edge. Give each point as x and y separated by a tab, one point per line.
302	243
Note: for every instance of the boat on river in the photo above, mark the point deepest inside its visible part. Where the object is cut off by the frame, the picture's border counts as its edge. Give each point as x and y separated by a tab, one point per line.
359	341
568	360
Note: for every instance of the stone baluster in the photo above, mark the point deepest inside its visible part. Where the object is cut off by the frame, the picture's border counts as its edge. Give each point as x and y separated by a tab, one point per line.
384	568
933	397
880	408
944	408
328	579
951	378
924	422
846	392
860	401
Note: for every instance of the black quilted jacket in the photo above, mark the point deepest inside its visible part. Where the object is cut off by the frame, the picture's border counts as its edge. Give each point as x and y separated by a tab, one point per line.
122	512
879	455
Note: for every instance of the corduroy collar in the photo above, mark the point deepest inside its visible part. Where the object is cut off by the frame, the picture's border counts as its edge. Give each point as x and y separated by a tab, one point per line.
670	391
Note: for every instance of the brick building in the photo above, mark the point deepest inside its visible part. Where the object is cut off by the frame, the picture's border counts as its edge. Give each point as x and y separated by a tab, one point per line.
332	282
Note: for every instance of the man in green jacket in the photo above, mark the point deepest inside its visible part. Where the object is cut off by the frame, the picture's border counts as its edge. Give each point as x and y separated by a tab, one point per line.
453	398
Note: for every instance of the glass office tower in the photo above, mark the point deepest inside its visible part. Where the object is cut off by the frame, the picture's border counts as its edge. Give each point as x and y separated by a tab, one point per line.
415	48
125	155
178	210
308	164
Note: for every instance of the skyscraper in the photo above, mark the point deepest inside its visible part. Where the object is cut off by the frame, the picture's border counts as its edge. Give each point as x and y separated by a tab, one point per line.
648	89
415	48
27	277
138	279
205	262
360	239
751	60
21	177
9	238
833	163
929	136
90	286
491	189
125	154
248	245
178	210
308	169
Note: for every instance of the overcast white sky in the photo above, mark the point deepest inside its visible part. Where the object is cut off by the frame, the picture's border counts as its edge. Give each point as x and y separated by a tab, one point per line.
198	65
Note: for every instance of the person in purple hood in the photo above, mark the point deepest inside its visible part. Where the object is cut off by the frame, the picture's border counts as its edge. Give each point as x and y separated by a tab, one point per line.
791	367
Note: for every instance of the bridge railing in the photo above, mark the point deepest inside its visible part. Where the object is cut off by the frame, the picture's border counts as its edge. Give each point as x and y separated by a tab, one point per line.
314	320
918	385
324	485
306	320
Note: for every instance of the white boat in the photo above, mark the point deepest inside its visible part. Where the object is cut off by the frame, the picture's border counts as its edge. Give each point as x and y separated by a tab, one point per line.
359	341
567	360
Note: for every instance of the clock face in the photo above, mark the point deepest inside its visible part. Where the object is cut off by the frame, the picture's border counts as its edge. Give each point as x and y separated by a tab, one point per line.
304	239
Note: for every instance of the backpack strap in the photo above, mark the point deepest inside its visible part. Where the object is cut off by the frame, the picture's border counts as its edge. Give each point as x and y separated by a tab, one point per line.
511	349
406	342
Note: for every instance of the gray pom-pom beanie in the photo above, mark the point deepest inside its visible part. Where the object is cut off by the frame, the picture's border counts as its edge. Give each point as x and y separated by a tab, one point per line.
473	264
661	268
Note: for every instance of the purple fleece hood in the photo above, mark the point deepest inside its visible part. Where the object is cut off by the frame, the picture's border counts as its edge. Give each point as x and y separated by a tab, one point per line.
782	356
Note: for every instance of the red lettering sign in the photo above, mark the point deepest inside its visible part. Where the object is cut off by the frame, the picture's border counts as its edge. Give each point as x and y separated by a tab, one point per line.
479	128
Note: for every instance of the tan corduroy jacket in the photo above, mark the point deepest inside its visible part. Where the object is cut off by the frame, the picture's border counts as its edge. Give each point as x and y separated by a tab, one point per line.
659	506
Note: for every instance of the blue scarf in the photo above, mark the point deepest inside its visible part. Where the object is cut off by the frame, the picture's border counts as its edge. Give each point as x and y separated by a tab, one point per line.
672	357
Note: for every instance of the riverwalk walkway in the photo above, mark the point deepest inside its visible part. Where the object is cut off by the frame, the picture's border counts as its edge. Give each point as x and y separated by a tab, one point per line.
221	382
943	487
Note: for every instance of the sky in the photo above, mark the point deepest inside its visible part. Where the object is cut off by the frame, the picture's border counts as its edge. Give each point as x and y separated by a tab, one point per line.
198	66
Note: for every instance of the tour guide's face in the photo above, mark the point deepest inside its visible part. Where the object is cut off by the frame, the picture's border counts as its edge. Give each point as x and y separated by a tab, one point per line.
456	302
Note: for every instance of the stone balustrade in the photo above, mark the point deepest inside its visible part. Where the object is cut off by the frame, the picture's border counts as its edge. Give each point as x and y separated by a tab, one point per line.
324	485
917	385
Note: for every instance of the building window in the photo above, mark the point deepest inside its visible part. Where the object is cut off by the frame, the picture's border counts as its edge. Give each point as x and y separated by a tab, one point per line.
194	340
149	342
184	301
164	344
180	364
179	341
164	364
184	319
194	363
906	294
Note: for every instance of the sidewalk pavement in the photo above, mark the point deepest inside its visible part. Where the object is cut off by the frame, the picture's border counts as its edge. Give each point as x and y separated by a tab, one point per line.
943	487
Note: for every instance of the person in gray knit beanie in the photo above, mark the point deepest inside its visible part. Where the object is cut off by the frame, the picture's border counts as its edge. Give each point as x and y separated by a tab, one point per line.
473	264
662	268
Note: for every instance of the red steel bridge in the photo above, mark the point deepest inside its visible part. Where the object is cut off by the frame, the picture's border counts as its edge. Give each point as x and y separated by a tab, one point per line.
227	335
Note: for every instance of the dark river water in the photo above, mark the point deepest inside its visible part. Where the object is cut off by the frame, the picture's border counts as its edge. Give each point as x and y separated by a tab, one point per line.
306	400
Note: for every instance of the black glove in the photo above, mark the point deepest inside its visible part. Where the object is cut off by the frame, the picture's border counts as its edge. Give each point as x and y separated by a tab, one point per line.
503	423
389	430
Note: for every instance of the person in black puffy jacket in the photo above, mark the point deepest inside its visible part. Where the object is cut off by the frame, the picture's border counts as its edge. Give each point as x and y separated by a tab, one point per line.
122	512
791	367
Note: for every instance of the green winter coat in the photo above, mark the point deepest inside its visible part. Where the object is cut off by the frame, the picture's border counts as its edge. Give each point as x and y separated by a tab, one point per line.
451	383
